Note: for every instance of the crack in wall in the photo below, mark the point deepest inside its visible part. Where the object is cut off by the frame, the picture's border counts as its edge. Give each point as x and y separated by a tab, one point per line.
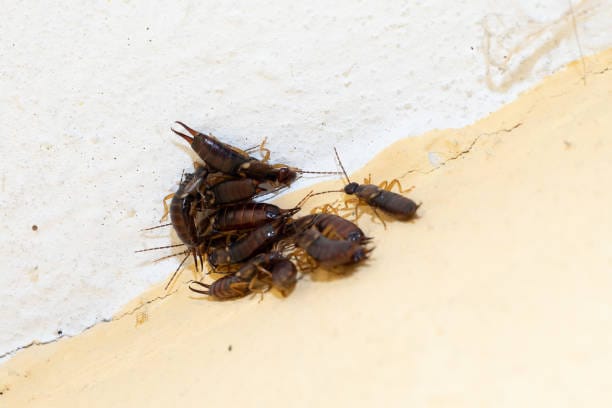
33	343
463	152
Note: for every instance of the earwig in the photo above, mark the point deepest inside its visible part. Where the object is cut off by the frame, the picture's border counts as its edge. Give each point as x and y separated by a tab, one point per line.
248	216
233	161
227	287
216	154
232	191
183	221
334	227
242	249
243	281
330	252
275	174
394	204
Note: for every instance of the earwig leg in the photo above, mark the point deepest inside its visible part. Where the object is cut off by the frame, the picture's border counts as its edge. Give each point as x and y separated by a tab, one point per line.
379	217
325	209
264	271
258	289
385	185
368	180
265	153
166	207
347	208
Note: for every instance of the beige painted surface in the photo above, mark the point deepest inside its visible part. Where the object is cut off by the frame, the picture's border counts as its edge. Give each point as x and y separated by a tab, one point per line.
499	295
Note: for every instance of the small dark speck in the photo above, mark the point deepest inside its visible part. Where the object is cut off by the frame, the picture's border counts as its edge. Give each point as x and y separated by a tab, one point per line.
147	28
229	348
471	48
34	227
114	158
567	144
59	332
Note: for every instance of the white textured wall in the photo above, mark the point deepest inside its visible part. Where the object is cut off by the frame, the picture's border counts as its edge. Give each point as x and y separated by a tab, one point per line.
89	91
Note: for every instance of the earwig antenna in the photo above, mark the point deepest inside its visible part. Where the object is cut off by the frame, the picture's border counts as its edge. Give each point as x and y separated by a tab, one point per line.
171	256
317	172
152	228
175	272
156	248
303	200
341	166
328	191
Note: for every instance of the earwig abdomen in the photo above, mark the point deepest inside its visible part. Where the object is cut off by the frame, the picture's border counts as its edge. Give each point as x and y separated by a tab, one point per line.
330	252
284	276
242	249
181	215
227	287
217	154
246	216
394	204
232	191
335	227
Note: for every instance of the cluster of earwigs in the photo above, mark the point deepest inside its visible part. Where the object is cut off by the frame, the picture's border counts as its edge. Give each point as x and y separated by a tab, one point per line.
257	246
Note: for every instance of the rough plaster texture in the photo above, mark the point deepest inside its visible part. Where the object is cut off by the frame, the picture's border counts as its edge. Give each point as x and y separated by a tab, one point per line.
89	91
498	295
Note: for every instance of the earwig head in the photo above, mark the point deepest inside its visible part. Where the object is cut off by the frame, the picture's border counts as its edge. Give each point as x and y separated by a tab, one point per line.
286	175
350	188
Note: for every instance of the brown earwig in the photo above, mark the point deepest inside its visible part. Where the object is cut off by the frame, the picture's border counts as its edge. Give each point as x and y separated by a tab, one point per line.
243	281
396	205
183	218
334	227
242	249
232	191
248	216
233	161
330	252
